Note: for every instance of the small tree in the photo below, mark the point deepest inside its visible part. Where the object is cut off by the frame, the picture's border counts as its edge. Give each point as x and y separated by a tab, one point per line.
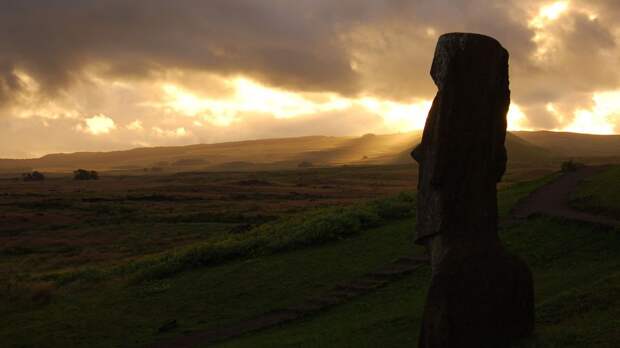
570	166
83	174
34	176
38	176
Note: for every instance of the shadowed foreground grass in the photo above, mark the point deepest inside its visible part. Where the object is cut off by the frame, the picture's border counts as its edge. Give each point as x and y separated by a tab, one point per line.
600	194
117	314
577	278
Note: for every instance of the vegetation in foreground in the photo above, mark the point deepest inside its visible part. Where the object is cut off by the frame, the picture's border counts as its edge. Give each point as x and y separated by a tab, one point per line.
580	308
60	224
129	313
600	194
294	232
574	309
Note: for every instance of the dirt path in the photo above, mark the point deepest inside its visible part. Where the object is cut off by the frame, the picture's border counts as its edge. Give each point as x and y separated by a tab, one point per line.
553	199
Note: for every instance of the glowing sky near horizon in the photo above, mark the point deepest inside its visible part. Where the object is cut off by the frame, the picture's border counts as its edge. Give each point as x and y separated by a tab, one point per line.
345	68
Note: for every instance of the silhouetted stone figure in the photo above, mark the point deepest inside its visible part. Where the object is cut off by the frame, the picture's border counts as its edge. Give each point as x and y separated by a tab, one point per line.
480	296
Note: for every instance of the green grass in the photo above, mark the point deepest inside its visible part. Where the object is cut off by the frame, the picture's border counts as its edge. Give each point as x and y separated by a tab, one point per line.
120	315
389	317
587	316
576	308
293	232
115	313
600	194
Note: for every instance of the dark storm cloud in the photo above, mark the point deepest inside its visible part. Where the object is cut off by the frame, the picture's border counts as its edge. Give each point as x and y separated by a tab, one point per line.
284	45
299	45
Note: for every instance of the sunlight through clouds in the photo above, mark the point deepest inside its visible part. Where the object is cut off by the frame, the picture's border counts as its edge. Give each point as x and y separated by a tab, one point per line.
248	97
398	116
549	13
543	38
251	97
285	70
601	119
517	120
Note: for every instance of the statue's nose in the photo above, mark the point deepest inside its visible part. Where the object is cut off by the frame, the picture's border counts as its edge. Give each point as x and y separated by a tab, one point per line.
417	153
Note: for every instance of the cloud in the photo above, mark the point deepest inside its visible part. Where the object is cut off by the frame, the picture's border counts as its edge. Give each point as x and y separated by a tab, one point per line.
63	61
135	126
97	125
306	45
171	133
272	41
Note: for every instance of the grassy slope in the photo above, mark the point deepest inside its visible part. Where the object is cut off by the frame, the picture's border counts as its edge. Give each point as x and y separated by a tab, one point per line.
117	315
600	194
573	144
579	308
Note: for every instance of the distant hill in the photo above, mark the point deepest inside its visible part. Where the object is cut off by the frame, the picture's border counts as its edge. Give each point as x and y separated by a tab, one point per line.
367	149
287	153
192	156
518	149
565	144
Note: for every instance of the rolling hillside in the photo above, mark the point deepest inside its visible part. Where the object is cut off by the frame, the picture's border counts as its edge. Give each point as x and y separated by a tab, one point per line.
518	149
286	153
565	144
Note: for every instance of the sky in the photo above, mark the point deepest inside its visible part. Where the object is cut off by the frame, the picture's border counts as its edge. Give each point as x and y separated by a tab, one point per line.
95	75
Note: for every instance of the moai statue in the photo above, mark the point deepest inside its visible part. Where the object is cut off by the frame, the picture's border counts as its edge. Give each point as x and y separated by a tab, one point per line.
480	296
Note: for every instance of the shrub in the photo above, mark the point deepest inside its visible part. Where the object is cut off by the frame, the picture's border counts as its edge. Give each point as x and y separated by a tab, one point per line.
83	174
34	176
570	166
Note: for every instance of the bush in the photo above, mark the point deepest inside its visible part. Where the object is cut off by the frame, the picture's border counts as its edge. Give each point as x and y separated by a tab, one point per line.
570	166
83	174
34	176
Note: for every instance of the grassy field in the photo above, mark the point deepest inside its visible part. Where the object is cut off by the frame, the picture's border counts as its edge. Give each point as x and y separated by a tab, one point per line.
600	194
61	224
156	264
580	308
118	314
